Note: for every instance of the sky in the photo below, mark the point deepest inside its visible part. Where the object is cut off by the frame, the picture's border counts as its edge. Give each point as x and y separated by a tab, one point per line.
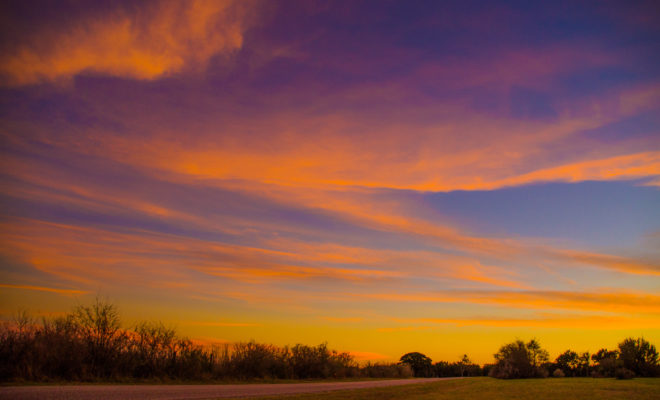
384	176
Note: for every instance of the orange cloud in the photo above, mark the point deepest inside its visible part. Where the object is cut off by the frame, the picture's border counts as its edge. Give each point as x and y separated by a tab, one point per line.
44	289
630	166
404	329
252	274
605	301
479	274
86	255
218	324
282	258
582	322
343	319
392	217
429	157
616	263
154	41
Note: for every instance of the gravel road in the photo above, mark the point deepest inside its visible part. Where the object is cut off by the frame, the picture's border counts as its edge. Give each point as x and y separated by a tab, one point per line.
181	392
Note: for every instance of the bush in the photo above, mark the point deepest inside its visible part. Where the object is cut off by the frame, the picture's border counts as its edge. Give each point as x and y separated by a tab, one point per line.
255	360
558	373
379	370
461	368
624	373
319	362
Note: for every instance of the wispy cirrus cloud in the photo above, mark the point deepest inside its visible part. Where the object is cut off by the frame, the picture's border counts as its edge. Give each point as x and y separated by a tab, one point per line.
552	321
45	289
612	262
219	323
262	158
614	301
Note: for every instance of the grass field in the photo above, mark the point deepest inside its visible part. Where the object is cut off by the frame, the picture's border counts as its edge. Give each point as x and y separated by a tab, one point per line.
495	389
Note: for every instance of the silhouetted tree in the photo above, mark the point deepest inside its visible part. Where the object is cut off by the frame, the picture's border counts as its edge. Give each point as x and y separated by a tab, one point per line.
99	328
88	344
463	364
584	366
520	360
463	367
603	354
420	364
537	355
639	356
606	362
568	362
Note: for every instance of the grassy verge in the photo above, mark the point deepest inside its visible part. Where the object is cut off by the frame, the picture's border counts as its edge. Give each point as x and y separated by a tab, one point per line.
495	389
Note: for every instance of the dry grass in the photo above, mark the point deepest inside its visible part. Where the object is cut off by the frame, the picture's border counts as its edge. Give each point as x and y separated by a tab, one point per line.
495	389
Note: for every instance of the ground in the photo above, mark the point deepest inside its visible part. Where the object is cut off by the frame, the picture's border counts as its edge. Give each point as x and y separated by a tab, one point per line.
495	389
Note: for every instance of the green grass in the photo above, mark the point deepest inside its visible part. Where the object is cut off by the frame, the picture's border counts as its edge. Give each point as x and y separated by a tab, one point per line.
495	389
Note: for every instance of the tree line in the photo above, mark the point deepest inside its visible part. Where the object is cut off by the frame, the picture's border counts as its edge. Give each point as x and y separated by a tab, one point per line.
633	357
89	344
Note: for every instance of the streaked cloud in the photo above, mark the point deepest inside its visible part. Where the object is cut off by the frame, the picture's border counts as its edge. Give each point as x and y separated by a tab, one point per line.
343	319
581	322
44	289
613	262
602	300
632	166
233	166
219	323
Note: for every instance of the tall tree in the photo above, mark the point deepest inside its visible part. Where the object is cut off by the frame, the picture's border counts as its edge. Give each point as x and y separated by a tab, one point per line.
421	365
639	356
463	364
568	362
520	360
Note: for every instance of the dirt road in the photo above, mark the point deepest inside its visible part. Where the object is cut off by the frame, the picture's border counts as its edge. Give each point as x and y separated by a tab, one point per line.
181	392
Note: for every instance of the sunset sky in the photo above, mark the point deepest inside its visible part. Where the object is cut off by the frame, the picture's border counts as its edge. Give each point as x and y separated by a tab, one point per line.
386	176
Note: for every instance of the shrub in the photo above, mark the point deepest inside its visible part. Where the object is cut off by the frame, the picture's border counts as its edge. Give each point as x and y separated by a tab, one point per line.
255	360
464	367
319	362
558	373
624	373
485	370
379	370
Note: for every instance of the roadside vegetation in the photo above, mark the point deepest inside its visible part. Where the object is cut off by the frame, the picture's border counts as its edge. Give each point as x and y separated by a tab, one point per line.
89	344
515	360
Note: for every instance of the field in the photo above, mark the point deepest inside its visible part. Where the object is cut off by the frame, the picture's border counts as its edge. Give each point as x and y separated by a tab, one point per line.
495	389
